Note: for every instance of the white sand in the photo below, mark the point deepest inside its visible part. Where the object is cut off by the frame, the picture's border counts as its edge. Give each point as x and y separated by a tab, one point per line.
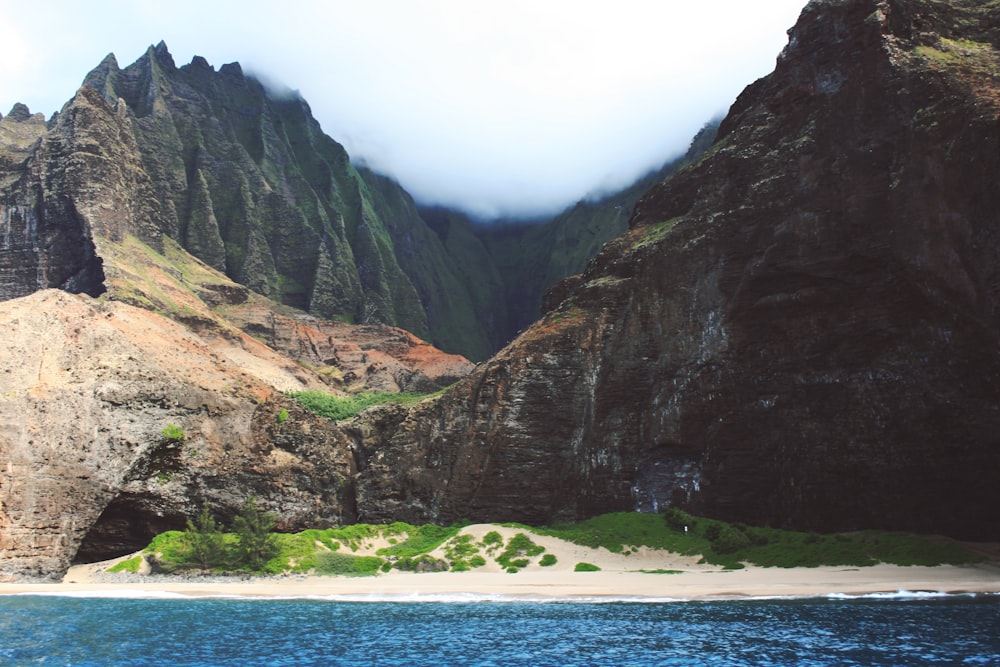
619	578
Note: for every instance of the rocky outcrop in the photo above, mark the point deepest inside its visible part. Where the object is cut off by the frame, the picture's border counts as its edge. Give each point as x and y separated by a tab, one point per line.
85	468
799	330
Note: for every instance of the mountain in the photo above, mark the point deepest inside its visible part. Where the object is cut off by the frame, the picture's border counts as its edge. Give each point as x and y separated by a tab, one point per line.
800	329
246	180
797	329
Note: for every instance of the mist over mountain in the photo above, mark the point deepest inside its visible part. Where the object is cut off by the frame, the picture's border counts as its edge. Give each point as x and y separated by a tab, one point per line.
245	179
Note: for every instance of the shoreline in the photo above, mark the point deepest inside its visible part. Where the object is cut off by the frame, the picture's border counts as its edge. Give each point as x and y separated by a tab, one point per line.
603	586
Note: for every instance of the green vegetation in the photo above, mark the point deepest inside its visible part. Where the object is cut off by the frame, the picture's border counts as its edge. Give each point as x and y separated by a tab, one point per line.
586	567
662	571
172	433
463	553
492	541
282	416
657	231
256	543
127	565
253	547
519	549
730	544
332	562
205	543
968	58
420	539
344	407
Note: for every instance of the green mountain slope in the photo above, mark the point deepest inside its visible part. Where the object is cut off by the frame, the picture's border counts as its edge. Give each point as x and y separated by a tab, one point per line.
248	182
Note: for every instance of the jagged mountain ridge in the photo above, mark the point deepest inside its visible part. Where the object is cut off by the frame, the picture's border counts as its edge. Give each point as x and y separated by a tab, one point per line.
249	183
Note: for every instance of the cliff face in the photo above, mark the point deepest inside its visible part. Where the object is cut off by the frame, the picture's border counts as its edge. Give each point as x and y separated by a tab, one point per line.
798	330
85	471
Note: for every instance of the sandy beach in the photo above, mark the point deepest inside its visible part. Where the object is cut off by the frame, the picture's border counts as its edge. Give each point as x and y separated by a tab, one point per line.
642	574
540	585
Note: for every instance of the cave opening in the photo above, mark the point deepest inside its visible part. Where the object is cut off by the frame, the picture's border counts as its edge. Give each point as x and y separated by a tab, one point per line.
124	527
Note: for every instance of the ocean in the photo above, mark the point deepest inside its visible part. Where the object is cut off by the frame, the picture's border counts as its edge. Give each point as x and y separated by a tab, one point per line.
900	629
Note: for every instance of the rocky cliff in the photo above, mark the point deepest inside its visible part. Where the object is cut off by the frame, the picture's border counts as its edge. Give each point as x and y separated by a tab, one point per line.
799	330
85	468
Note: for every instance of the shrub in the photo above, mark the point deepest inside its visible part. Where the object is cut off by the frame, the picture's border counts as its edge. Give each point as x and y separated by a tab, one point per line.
282	416
172	433
205	544
421	563
547	560
492	540
586	567
336	563
727	539
517	547
460	548
477	561
256	543
677	519
167	551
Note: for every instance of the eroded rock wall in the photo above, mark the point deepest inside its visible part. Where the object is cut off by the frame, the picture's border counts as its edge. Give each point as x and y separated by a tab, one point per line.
85	471
799	330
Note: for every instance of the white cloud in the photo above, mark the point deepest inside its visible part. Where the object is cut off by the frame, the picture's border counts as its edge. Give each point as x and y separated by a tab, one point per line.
494	106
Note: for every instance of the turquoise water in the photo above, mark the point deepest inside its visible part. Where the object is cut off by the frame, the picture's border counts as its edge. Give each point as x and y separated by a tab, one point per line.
57	631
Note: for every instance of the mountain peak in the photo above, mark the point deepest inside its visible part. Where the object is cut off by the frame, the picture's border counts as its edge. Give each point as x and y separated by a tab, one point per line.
162	55
19	112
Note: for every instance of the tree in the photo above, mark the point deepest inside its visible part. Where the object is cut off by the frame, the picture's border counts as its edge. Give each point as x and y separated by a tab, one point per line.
206	545
257	544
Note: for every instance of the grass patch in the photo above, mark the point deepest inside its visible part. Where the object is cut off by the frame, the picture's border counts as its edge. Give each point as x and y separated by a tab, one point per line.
420	540
128	565
731	544
620	530
586	567
520	549
548	560
344	407
343	564
662	571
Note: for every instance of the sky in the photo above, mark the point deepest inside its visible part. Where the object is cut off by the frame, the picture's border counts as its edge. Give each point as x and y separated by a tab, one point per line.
502	109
